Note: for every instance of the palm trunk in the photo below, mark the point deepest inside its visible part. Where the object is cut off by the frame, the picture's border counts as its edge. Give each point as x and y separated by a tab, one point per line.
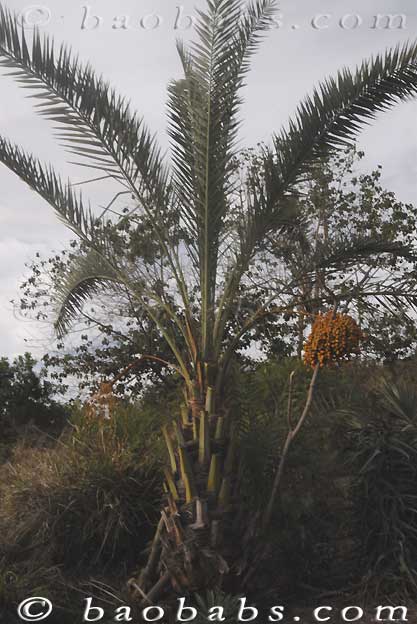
198	541
206	537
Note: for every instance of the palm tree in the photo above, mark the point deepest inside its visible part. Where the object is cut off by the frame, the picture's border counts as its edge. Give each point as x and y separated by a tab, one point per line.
205	242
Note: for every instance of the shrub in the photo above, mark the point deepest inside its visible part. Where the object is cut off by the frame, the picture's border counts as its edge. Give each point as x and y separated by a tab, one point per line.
311	532
384	460
88	502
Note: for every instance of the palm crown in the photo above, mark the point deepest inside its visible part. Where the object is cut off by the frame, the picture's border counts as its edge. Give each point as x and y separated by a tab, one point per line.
185	205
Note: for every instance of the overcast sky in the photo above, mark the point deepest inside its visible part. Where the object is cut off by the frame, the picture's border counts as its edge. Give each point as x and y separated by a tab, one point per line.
311	40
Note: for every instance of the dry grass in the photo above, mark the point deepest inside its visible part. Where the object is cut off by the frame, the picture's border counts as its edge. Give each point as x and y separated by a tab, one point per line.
86	506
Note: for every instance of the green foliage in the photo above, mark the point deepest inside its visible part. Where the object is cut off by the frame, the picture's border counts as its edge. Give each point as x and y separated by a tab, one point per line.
230	605
261	408
312	532
384	462
27	398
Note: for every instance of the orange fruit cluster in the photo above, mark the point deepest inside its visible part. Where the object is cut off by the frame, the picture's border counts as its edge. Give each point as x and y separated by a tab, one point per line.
334	337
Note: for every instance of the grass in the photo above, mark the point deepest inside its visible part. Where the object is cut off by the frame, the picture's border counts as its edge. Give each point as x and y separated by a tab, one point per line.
84	507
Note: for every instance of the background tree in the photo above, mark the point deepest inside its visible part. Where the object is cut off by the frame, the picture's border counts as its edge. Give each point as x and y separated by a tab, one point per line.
106	336
27	398
343	208
205	242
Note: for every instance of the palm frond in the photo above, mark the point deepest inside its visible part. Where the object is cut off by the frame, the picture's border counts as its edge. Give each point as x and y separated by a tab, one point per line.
337	110
328	120
398	301
345	252
203	125
203	106
98	124
84	277
43	179
251	228
399	399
